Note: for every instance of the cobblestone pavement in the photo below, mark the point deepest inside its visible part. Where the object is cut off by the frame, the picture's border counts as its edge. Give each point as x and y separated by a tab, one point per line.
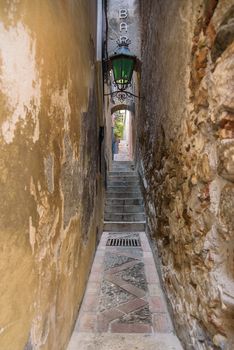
123	296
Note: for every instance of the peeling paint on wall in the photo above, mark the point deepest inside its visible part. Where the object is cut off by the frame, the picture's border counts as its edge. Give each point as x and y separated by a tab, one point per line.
18	64
49	172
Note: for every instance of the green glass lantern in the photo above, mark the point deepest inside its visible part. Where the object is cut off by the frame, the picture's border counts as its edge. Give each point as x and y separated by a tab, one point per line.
123	63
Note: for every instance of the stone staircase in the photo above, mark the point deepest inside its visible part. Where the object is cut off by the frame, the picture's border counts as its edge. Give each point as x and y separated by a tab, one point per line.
124	210
123	154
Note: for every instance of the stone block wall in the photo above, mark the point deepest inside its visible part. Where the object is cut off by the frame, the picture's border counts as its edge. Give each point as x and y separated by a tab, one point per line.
186	161
50	182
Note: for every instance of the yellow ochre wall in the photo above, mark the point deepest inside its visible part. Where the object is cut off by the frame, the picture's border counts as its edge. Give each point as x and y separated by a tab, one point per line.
49	168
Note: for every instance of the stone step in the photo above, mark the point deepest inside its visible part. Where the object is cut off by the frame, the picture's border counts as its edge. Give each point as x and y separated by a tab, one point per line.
116	184
122	170
122	157
118	174
123	189
124	201
125	195
124	179
132	217
123	167
123	162
124	209
121	173
113	226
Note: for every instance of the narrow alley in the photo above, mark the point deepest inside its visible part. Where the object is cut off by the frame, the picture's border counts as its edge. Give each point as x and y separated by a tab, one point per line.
124	306
117	175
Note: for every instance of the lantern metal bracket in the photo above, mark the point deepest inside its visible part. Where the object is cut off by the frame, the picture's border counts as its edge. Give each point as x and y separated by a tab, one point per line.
122	95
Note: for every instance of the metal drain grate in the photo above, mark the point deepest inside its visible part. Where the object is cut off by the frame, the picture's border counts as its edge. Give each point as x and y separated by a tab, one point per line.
123	242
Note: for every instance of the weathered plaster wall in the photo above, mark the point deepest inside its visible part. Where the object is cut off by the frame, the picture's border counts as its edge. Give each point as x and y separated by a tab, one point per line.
49	168
186	160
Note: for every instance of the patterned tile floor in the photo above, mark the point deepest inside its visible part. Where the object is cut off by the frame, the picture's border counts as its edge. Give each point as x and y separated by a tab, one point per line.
123	296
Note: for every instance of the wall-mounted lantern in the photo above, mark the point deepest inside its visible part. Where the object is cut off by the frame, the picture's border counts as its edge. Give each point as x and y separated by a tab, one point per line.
122	63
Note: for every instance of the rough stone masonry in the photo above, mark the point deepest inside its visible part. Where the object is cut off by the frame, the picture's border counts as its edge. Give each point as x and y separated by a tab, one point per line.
186	160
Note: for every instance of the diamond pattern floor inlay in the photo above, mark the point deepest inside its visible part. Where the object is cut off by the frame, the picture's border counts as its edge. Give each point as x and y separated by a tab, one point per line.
112	296
135	276
123	296
114	260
